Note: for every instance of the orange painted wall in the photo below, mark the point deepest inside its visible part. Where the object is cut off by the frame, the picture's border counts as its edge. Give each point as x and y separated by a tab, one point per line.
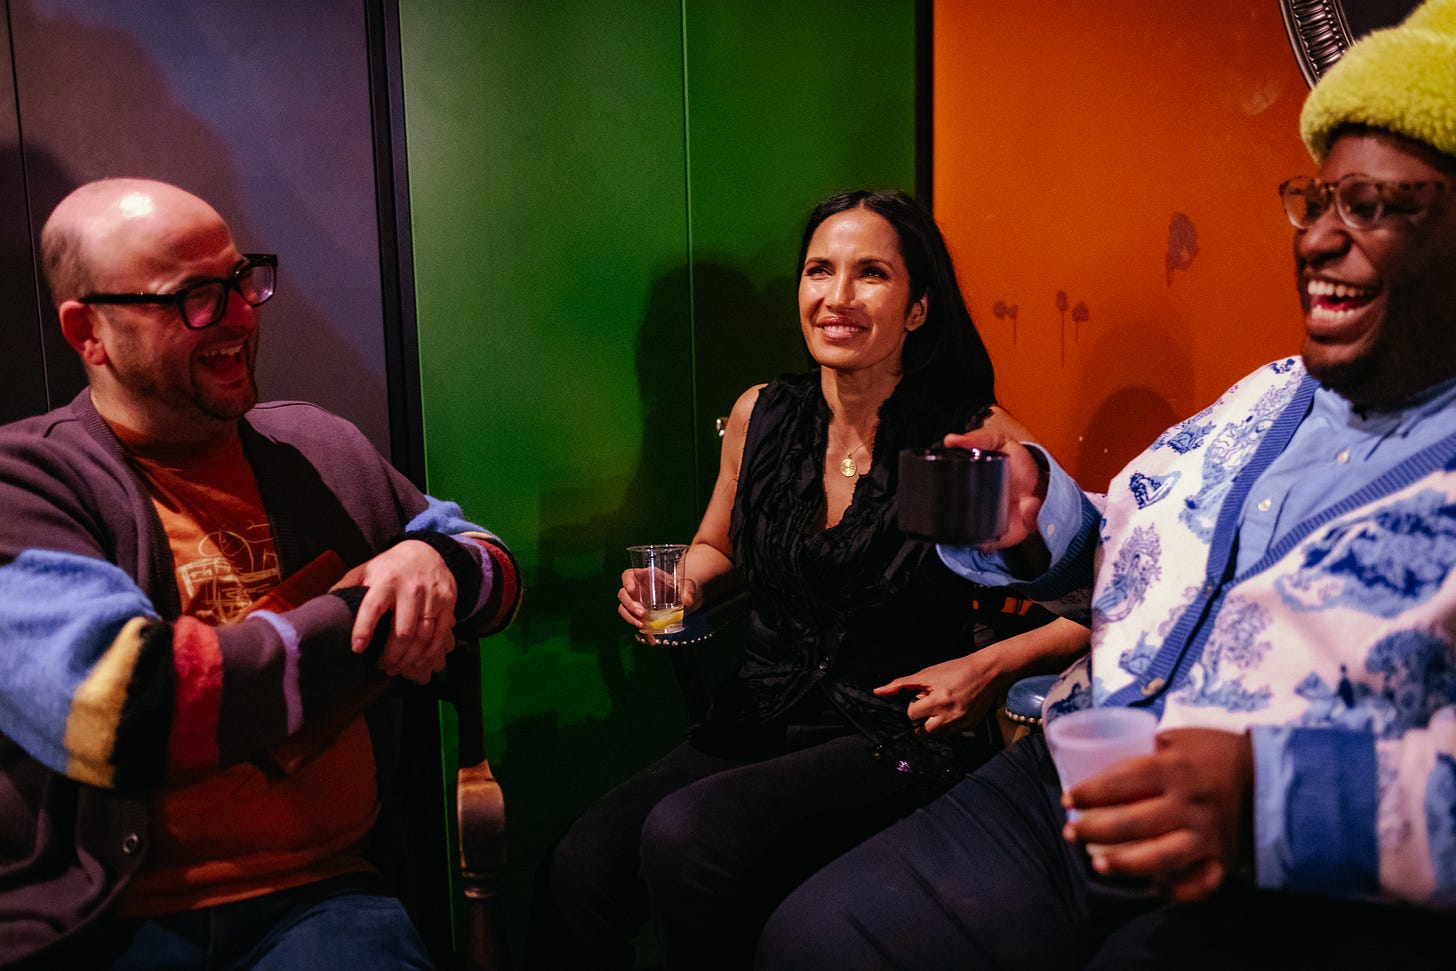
1079	147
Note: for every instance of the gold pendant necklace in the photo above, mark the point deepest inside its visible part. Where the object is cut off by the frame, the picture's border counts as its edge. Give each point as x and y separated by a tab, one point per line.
847	466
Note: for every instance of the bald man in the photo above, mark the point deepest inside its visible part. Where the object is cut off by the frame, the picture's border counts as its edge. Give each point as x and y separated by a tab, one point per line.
188	578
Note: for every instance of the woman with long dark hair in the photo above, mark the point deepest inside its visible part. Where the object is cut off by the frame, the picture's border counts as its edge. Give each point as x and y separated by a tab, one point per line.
869	669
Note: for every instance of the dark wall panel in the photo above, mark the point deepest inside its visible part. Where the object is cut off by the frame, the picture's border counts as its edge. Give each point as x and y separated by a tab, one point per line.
22	360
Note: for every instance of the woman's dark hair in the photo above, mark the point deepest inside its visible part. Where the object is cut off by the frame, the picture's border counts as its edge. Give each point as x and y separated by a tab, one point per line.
946	351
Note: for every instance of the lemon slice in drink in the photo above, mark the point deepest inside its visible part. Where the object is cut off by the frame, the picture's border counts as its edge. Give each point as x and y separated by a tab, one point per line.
664	620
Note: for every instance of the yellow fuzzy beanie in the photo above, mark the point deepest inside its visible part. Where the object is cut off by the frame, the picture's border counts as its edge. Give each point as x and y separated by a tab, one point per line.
1401	79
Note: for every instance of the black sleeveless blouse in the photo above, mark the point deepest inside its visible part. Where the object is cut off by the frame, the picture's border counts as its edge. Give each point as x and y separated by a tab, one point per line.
845	609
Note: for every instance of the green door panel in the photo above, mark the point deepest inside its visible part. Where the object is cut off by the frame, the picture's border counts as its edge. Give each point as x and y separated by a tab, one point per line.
605	202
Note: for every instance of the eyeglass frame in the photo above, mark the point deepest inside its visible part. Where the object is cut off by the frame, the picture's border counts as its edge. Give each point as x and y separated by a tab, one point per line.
178	297
1332	192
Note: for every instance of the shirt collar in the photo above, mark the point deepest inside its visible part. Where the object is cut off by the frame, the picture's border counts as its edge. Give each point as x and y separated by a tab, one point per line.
1386	421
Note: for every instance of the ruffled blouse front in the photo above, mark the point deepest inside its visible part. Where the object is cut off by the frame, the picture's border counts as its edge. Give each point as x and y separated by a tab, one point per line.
856	605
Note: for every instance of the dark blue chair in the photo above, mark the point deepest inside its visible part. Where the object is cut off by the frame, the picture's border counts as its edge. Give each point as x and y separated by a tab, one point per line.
1021	715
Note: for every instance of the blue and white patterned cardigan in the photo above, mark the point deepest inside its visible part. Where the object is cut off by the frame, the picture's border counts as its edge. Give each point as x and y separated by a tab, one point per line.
1335	650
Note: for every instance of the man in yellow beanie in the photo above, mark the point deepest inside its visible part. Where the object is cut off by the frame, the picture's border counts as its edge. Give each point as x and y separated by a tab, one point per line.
1273	579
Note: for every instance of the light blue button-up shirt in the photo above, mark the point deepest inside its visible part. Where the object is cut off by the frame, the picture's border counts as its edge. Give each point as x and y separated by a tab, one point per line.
1336	450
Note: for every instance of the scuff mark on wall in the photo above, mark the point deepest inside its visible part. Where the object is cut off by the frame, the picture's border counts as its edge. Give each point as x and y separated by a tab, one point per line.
1006	311
1080	315
1182	244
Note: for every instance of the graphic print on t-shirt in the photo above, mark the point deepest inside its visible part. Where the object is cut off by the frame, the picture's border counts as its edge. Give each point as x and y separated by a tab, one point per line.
230	568
216	526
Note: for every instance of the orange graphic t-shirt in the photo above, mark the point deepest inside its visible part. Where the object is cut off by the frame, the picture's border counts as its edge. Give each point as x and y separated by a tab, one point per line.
222	544
237	832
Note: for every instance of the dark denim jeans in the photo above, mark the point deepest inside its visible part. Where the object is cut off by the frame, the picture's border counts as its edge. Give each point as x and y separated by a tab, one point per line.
982	879
346	923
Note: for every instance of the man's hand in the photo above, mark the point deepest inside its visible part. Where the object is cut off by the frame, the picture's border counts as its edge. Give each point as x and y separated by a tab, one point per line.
411	580
1027	488
1180	818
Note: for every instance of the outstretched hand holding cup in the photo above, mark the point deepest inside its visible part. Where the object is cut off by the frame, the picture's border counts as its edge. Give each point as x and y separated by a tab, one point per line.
955	496
1025	483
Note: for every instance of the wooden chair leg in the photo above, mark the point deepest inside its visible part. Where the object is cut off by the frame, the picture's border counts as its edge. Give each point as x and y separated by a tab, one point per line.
481	810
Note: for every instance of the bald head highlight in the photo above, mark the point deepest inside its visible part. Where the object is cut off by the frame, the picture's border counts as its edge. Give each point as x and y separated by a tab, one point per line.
88	217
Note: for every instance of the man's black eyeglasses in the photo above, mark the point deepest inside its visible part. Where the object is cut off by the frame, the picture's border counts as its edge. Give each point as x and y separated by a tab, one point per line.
204	303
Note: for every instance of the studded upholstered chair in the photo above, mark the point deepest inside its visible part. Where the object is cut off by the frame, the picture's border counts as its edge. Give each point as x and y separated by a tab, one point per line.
1021	714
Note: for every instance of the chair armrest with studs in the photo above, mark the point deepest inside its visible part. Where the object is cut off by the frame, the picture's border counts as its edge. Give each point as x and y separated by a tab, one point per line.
705	623
1021	715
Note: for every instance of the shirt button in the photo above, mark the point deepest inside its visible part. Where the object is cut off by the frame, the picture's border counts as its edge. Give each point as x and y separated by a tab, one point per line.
824	664
1051	530
1265	505
131	844
1344	456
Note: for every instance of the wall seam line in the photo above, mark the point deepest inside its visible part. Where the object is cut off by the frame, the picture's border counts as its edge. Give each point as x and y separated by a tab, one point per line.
696	410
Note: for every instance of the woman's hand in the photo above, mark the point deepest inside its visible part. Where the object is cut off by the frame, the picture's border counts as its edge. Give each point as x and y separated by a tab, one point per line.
950	696
707	563
955	695
631	608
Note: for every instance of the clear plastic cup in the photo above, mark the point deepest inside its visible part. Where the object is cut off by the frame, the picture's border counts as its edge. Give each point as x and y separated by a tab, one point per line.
1084	743
660	580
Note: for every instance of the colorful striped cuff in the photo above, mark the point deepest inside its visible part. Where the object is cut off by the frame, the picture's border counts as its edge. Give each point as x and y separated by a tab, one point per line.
292	696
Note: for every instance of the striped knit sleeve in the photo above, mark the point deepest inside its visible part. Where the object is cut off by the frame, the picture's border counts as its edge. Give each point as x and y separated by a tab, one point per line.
86	678
497	597
94	685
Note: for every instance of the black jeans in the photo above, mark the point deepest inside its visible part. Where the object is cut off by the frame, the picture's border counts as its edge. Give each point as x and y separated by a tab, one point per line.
981	878
707	846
